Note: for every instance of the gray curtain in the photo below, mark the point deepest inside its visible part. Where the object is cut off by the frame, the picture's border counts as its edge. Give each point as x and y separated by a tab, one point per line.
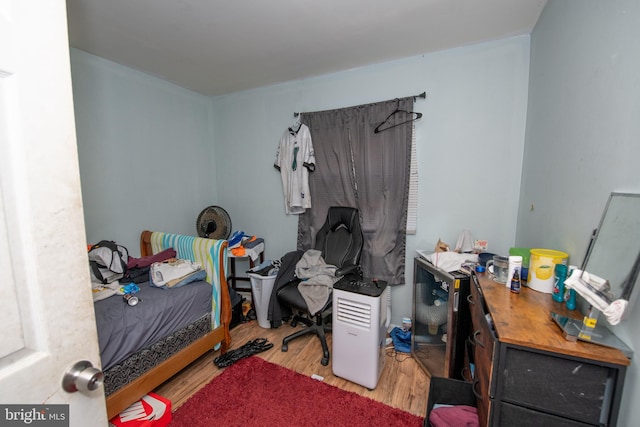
370	171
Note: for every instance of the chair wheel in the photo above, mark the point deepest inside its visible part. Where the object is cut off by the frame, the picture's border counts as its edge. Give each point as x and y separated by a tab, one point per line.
285	348
293	323
324	361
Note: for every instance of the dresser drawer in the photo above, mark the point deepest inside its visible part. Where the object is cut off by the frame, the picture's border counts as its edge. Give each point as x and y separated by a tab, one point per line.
569	388
484	345
484	350
512	415
468	371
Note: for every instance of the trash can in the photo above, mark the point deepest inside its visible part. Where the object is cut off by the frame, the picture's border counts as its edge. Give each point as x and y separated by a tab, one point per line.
261	287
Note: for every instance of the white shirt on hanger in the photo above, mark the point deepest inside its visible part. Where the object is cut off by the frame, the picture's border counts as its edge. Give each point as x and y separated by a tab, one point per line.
294	159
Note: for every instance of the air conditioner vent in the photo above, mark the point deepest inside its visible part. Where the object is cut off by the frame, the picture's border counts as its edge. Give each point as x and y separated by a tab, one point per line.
354	313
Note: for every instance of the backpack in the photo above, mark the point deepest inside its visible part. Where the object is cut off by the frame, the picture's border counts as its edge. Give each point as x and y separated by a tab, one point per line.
107	262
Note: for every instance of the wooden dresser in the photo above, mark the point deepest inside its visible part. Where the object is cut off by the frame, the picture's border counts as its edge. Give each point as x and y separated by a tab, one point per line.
523	370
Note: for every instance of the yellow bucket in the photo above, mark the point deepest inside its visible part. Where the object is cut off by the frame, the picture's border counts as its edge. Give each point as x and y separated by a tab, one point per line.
542	266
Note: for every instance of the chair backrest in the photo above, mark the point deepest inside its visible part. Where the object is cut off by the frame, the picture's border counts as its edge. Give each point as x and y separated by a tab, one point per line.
340	238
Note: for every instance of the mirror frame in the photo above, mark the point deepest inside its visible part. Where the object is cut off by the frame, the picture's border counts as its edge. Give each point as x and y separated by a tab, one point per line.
614	251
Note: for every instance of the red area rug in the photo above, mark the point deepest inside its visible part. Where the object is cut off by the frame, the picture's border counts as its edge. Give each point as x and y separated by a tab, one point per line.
254	392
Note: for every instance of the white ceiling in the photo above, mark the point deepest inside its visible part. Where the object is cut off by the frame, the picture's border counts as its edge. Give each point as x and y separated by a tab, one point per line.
222	46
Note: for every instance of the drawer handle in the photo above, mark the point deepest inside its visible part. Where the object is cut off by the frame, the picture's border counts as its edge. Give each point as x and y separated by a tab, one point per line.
470	300
477	341
475	392
470	341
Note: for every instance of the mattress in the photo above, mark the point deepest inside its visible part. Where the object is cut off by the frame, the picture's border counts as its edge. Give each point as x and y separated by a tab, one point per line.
148	358
123	329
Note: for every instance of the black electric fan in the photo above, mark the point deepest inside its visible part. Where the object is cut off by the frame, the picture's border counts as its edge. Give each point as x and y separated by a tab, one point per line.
214	223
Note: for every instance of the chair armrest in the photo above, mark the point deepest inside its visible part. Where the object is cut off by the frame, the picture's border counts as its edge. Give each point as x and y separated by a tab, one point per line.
349	269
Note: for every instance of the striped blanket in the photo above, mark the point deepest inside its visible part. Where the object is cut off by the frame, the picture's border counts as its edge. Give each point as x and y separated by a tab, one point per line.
203	251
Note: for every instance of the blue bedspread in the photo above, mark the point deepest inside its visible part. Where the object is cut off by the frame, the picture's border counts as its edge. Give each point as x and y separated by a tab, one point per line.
124	329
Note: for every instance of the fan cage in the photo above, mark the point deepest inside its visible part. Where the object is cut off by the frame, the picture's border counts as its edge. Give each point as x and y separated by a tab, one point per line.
214	223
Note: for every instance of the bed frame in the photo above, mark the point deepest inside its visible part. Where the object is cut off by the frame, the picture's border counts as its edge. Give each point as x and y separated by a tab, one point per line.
133	391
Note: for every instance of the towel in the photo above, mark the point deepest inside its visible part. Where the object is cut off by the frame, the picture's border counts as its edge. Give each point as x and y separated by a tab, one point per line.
317	277
450	261
250	247
454	416
597	293
170	273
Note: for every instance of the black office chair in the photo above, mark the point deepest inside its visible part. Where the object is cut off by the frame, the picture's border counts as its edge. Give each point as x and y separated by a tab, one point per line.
340	241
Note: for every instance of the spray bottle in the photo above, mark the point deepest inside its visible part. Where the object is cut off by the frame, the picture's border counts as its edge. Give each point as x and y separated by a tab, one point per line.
558	286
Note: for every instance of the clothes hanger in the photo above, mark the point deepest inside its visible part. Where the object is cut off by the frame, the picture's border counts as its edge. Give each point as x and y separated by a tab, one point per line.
379	129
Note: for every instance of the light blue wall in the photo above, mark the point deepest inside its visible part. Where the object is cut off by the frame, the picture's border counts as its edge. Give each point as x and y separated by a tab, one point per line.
583	130
147	157
145	149
470	145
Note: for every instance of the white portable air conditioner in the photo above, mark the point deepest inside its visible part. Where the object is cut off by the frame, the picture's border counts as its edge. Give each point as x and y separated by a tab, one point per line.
359	331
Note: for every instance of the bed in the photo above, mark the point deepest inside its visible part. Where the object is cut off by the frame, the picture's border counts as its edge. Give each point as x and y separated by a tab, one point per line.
143	346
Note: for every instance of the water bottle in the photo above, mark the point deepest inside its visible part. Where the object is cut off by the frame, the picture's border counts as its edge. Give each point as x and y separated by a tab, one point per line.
558	286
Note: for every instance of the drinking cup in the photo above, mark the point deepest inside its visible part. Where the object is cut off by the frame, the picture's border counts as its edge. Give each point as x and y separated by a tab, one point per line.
498	268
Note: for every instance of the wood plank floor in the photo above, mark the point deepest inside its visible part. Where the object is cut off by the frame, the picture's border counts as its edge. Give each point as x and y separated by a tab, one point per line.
403	384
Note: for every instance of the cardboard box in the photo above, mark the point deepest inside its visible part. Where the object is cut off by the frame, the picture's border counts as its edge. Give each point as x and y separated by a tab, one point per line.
151	411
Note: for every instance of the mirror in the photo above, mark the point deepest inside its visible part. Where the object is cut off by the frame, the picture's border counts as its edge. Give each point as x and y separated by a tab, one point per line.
614	254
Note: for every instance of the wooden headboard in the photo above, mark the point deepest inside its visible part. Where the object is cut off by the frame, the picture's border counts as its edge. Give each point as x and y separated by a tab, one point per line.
145	243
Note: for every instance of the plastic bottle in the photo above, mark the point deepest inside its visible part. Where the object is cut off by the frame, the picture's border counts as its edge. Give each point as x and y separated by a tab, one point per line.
558	285
570	294
406	324
515	281
571	302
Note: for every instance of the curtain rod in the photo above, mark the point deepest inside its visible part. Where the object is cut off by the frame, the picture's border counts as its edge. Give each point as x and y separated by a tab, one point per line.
423	95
